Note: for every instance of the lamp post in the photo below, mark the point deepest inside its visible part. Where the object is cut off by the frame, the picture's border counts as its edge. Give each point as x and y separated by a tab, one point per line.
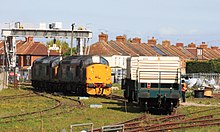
71	50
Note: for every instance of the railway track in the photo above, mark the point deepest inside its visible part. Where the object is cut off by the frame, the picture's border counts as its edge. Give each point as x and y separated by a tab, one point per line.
116	97
175	121
45	112
216	95
29	94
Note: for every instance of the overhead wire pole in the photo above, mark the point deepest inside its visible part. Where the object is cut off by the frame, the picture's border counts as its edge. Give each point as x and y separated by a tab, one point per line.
71	50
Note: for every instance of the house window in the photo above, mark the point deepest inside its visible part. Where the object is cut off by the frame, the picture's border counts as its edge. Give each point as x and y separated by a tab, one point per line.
28	60
199	51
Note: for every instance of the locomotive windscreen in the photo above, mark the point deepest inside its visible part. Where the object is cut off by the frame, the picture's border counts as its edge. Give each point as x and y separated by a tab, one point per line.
99	59
95	59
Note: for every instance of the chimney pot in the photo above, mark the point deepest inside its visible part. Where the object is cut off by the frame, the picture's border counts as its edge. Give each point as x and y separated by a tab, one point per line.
152	41
166	43
121	39
204	45
103	37
192	45
179	44
29	39
136	40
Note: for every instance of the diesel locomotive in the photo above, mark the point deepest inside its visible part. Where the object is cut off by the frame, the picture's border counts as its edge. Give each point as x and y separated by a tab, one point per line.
153	82
83	74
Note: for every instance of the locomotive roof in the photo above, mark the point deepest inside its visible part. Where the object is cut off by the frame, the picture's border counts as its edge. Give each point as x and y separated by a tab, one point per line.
76	59
79	57
47	59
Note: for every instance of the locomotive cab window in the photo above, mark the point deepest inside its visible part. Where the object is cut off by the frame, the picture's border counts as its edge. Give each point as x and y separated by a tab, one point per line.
104	61
88	61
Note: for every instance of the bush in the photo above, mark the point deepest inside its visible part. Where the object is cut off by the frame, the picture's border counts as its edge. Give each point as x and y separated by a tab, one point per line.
210	66
189	94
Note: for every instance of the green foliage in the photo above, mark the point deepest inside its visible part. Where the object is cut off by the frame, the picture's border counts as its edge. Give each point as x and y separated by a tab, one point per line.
67	53
210	66
62	44
116	85
189	94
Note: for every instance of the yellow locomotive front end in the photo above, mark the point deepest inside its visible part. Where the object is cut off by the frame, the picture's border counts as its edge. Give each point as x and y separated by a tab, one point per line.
98	79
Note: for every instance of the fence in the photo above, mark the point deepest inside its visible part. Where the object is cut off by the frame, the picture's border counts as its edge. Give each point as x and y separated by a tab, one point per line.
81	125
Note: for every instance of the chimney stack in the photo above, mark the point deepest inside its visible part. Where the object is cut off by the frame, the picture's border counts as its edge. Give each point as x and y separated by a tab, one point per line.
166	43
192	45
121	39
29	39
214	47
136	40
204	45
179	44
152	41
103	37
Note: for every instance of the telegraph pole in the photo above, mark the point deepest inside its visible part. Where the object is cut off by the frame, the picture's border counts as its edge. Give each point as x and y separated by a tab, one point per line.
71	50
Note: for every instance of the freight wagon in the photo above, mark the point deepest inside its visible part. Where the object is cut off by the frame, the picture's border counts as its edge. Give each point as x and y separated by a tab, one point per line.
153	82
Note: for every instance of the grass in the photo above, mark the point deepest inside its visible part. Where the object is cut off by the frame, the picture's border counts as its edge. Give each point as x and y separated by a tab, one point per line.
111	112
205	100
116	85
24	105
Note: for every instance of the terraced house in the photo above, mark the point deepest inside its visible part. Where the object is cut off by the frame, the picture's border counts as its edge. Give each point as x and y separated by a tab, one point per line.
27	52
117	51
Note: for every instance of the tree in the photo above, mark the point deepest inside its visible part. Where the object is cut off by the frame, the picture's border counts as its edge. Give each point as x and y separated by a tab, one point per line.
61	44
67	53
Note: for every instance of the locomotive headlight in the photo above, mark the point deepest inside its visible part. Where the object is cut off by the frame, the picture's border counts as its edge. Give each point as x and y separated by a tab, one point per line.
92	70
171	88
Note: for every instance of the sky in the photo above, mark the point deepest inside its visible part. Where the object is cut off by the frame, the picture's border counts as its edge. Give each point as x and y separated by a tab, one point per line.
175	20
